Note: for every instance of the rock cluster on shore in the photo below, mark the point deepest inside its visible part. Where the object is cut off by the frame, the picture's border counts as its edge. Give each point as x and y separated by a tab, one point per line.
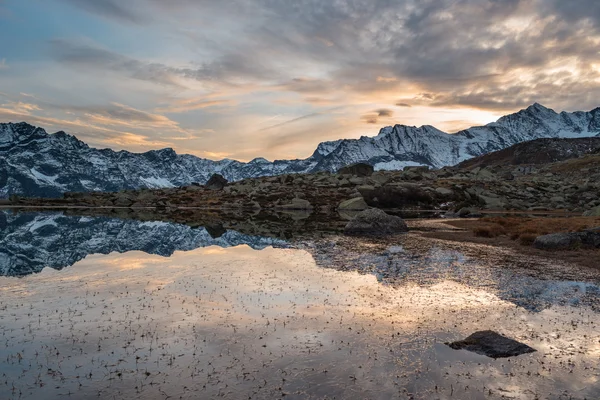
375	222
572	185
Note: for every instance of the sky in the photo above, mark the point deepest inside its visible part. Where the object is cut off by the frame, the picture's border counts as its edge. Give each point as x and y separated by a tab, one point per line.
273	78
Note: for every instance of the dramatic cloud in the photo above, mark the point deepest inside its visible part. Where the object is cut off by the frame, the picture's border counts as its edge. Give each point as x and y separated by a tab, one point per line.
274	78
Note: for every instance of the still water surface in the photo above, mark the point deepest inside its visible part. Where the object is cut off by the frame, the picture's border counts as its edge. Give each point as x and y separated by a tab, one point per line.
232	321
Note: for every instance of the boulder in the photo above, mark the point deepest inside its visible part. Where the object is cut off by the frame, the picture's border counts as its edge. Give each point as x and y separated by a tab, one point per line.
75	195
445	192
594	212
492	202
464	212
357	203
194	188
359	169
416	168
216	182
507	176
357	180
397	195
122	201
344	183
412	175
486	175
492	344
348	215
557	241
297	204
569	240
380	178
375	222
286	179
366	190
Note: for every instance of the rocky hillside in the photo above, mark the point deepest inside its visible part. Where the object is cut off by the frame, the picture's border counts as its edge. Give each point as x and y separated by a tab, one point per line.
539	151
37	164
571	185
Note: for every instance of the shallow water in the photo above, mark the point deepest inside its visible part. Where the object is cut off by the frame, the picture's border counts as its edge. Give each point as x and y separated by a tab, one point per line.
330	320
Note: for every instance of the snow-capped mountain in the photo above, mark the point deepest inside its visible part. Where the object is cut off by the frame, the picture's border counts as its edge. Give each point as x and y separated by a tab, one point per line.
34	163
31	241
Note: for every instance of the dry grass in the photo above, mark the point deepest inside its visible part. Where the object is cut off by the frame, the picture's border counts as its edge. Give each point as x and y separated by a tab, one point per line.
526	229
489	231
577	164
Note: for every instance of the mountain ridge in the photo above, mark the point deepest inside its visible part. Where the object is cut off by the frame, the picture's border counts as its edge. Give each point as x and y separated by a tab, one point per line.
34	163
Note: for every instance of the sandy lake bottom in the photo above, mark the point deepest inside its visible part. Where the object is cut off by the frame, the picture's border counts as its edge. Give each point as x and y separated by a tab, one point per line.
240	323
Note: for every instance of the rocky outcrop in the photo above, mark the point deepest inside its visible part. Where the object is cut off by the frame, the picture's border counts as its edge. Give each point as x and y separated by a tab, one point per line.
398	195
536	152
492	344
571	185
375	222
216	182
358	169
569	240
355	204
594	212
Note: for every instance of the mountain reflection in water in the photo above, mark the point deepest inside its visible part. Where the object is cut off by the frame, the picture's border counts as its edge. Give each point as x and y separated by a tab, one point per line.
239	323
29	242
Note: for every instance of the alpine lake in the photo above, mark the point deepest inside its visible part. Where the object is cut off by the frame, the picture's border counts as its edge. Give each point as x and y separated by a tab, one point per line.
286	307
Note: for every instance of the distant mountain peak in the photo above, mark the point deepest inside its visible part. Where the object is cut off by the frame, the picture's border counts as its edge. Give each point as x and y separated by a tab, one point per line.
44	165
537	107
260	160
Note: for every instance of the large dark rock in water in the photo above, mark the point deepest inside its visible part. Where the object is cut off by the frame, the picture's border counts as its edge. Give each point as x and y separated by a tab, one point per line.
569	240
359	169
216	182
492	344
375	222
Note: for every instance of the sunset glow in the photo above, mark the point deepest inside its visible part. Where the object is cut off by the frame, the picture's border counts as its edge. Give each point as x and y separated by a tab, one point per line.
273	79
